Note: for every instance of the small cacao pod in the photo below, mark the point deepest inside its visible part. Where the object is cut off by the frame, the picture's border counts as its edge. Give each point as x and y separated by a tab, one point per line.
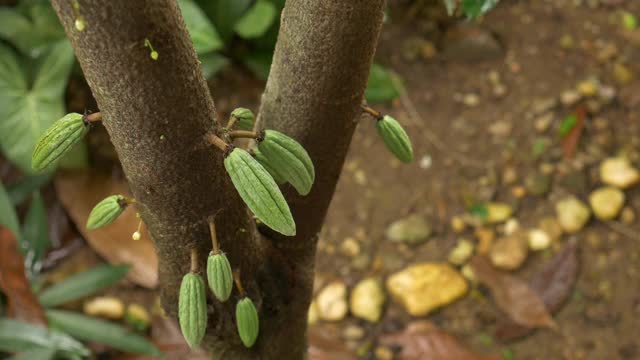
58	140
259	191
289	160
106	211
395	138
192	309
247	321
219	276
259	156
245	118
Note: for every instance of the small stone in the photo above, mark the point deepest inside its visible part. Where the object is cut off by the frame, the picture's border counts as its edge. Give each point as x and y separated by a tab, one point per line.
622	74
485	240
500	128
383	353
350	247
511	226
538	240
509	175
332	302
567	42
499	90
588	88
138	317
628	216
569	98
353	332
461	253
458	224
572	214
541	106
538	184
618	172
509	252
606	202
105	307
498	212
313	315
543	122
424	287
367	300
471	100
411	230
467	272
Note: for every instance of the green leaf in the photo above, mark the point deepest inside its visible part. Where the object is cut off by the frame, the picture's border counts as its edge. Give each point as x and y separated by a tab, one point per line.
380	87
21	336
8	216
35	235
451	6
100	331
35	354
255	22
27	111
479	210
82	284
567	125
629	21
33	29
204	36
21	190
259	191
211	63
259	63
224	14
475	8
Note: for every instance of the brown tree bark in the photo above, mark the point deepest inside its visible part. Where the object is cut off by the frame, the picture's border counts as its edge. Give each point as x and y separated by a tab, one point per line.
157	113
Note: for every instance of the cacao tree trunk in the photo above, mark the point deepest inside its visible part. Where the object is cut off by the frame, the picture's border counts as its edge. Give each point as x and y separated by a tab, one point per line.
158	111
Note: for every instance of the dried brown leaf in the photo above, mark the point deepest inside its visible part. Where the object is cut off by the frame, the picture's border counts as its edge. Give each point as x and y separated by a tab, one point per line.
14	283
513	295
325	347
571	141
79	191
553	283
423	340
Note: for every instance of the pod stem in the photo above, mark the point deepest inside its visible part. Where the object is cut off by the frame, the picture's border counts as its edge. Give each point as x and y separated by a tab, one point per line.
194	259
217	142
236	278
91	118
375	113
232	121
244	134
214	237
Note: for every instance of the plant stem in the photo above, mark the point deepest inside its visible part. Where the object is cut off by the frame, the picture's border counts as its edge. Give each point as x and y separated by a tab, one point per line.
214	237
95	117
375	113
194	259
232	121
244	134
236	278
217	142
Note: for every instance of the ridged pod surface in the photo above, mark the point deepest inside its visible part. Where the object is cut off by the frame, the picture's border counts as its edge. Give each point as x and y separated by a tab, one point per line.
259	191
289	160
58	140
247	321
395	138
259	156
245	118
219	276
192	309
106	211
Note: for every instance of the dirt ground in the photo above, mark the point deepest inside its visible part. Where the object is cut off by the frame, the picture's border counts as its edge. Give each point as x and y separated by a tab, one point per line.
463	150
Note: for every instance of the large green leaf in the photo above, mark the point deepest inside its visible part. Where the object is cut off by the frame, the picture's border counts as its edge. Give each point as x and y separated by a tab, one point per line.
27	111
380	87
82	284
19	191
475	8
259	63
35	354
100	331
21	336
255	22
224	14
204	36
8	216
35	235
31	27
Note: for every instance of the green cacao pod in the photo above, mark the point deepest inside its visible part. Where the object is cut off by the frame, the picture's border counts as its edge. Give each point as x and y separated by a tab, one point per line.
192	309
106	211
259	191
247	321
219	276
58	140
289	160
245	118
259	156
395	138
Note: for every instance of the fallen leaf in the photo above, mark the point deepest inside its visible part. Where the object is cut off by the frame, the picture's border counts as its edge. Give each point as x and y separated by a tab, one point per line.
423	340
513	295
572	138
79	191
325	347
13	281
553	283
